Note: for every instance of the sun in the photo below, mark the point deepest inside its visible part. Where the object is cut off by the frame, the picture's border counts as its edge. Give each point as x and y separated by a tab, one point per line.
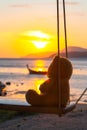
38	38
38	34
39	44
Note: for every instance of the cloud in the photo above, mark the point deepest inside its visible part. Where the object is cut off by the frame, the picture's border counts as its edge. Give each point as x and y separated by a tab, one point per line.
72	3
20	6
67	3
28	6
78	14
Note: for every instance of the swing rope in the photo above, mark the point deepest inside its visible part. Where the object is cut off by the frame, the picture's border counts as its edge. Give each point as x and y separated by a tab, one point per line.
65	31
58	36
58	39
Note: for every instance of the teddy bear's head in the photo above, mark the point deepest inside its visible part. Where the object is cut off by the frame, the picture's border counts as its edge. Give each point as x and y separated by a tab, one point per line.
65	68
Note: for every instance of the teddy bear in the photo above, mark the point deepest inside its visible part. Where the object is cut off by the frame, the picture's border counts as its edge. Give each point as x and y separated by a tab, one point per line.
50	88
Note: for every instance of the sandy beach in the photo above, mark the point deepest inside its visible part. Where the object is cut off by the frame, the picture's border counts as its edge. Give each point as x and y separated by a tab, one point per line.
76	120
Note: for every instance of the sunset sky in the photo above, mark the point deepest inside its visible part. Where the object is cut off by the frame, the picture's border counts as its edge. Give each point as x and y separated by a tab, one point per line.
29	26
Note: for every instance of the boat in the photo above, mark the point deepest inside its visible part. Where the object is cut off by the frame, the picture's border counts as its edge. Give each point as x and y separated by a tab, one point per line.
36	72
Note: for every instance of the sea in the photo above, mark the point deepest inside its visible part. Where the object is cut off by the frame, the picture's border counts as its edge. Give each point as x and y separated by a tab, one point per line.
16	72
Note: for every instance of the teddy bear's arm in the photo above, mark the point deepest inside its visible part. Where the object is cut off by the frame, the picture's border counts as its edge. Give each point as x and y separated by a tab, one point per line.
44	87
47	86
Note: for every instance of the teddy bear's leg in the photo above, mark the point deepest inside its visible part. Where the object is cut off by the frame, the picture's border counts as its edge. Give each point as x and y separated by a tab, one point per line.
31	97
34	98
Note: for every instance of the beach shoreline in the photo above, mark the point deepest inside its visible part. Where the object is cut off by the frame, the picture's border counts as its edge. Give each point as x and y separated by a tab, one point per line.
75	120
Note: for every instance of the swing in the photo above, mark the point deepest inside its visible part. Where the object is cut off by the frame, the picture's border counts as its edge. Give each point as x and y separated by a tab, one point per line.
44	109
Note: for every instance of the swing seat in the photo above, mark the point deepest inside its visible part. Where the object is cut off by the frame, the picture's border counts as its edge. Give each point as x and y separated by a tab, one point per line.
38	109
69	107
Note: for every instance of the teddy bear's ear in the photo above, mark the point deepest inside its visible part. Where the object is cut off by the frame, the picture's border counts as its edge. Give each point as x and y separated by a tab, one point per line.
53	68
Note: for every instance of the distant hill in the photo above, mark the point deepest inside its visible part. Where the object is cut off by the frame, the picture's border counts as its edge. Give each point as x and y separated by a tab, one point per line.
74	49
73	52
40	55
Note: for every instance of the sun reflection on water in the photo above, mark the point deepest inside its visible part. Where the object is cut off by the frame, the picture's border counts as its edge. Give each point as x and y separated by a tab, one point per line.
40	65
38	83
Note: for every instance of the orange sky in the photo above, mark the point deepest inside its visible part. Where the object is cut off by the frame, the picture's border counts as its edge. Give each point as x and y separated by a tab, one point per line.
30	27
